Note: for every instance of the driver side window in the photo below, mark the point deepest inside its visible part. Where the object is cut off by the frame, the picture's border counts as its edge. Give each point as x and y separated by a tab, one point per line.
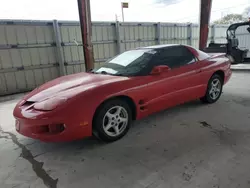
175	56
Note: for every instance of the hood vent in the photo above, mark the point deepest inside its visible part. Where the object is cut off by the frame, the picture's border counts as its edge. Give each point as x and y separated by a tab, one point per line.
28	103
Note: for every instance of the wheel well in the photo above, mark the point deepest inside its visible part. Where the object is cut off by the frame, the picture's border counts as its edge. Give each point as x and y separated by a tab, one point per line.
128	100
131	105
221	74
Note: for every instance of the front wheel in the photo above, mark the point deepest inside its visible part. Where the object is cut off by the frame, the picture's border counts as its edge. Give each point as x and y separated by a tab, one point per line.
112	121
214	89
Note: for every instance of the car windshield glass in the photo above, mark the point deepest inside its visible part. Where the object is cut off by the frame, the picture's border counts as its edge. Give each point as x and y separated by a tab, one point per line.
127	63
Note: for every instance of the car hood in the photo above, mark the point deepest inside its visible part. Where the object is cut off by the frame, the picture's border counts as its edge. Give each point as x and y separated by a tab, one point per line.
71	85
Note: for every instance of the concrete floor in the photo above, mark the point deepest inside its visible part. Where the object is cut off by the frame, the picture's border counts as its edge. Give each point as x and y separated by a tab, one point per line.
192	145
241	67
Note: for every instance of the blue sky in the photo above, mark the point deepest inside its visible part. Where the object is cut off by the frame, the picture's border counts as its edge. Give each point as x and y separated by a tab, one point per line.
105	10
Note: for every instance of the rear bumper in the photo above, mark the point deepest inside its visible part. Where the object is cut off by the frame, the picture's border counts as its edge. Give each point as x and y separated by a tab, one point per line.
228	75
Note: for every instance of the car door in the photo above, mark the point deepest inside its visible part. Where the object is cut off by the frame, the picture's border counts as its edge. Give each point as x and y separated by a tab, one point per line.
160	90
152	95
178	85
152	90
186	71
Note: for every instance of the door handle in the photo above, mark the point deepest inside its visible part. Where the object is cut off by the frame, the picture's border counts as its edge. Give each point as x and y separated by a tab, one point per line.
198	71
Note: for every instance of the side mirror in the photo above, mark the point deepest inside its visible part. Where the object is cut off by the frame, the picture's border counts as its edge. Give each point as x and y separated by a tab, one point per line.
159	69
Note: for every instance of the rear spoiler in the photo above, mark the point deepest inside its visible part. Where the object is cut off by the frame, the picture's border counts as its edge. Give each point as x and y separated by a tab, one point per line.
215	55
218	55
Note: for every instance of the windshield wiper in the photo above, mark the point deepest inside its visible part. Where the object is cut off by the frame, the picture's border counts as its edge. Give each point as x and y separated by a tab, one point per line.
102	72
122	74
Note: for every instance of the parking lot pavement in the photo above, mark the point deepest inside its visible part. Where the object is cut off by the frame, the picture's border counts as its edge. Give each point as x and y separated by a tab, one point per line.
192	145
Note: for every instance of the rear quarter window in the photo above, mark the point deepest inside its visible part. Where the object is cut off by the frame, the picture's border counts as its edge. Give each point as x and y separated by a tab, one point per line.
198	53
202	55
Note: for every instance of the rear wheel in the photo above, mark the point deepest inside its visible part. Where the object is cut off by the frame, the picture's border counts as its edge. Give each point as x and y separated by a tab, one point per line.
112	121
214	89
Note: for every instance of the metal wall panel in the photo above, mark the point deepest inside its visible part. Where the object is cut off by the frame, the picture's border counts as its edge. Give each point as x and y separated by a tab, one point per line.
71	34
137	31
220	33
134	35
26	34
174	32
73	56
13	60
104	41
101	32
195	32
104	51
195	43
195	36
76	68
3	38
27	55
210	32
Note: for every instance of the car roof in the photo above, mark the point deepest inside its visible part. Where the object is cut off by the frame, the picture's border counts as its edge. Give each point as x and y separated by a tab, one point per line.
158	46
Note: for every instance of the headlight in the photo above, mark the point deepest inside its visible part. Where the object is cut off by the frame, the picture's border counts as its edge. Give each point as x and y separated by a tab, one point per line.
49	104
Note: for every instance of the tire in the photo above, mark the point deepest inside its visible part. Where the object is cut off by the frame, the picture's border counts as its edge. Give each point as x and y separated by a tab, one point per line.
109	125
213	93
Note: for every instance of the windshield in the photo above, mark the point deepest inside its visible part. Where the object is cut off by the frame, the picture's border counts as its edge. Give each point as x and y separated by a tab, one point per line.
128	63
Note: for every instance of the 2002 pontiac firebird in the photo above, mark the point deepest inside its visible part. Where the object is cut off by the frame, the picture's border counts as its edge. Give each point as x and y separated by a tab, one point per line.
130	86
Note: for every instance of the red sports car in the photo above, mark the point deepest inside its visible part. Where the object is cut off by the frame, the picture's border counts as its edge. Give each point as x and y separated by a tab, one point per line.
130	86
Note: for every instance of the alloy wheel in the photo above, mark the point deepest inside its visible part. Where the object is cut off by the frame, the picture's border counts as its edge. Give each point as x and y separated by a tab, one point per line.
215	89
115	121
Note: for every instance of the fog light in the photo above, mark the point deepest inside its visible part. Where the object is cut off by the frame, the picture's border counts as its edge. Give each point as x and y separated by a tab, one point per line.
51	129
58	128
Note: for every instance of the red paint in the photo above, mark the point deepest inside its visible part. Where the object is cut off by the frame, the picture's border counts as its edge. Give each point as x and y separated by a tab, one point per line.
86	91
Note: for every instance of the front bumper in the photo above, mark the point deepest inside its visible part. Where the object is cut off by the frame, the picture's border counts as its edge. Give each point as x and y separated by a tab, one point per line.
60	126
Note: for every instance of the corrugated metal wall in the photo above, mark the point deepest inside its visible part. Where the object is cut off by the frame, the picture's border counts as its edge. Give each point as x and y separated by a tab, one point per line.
73	57
220	33
134	35
27	56
175	33
33	52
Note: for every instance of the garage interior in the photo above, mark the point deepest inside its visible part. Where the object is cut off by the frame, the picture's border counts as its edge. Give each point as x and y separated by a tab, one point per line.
191	145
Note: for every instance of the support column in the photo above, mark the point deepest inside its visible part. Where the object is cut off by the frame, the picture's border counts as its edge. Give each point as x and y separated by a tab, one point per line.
205	11
158	33
118	38
213	33
85	22
190	34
